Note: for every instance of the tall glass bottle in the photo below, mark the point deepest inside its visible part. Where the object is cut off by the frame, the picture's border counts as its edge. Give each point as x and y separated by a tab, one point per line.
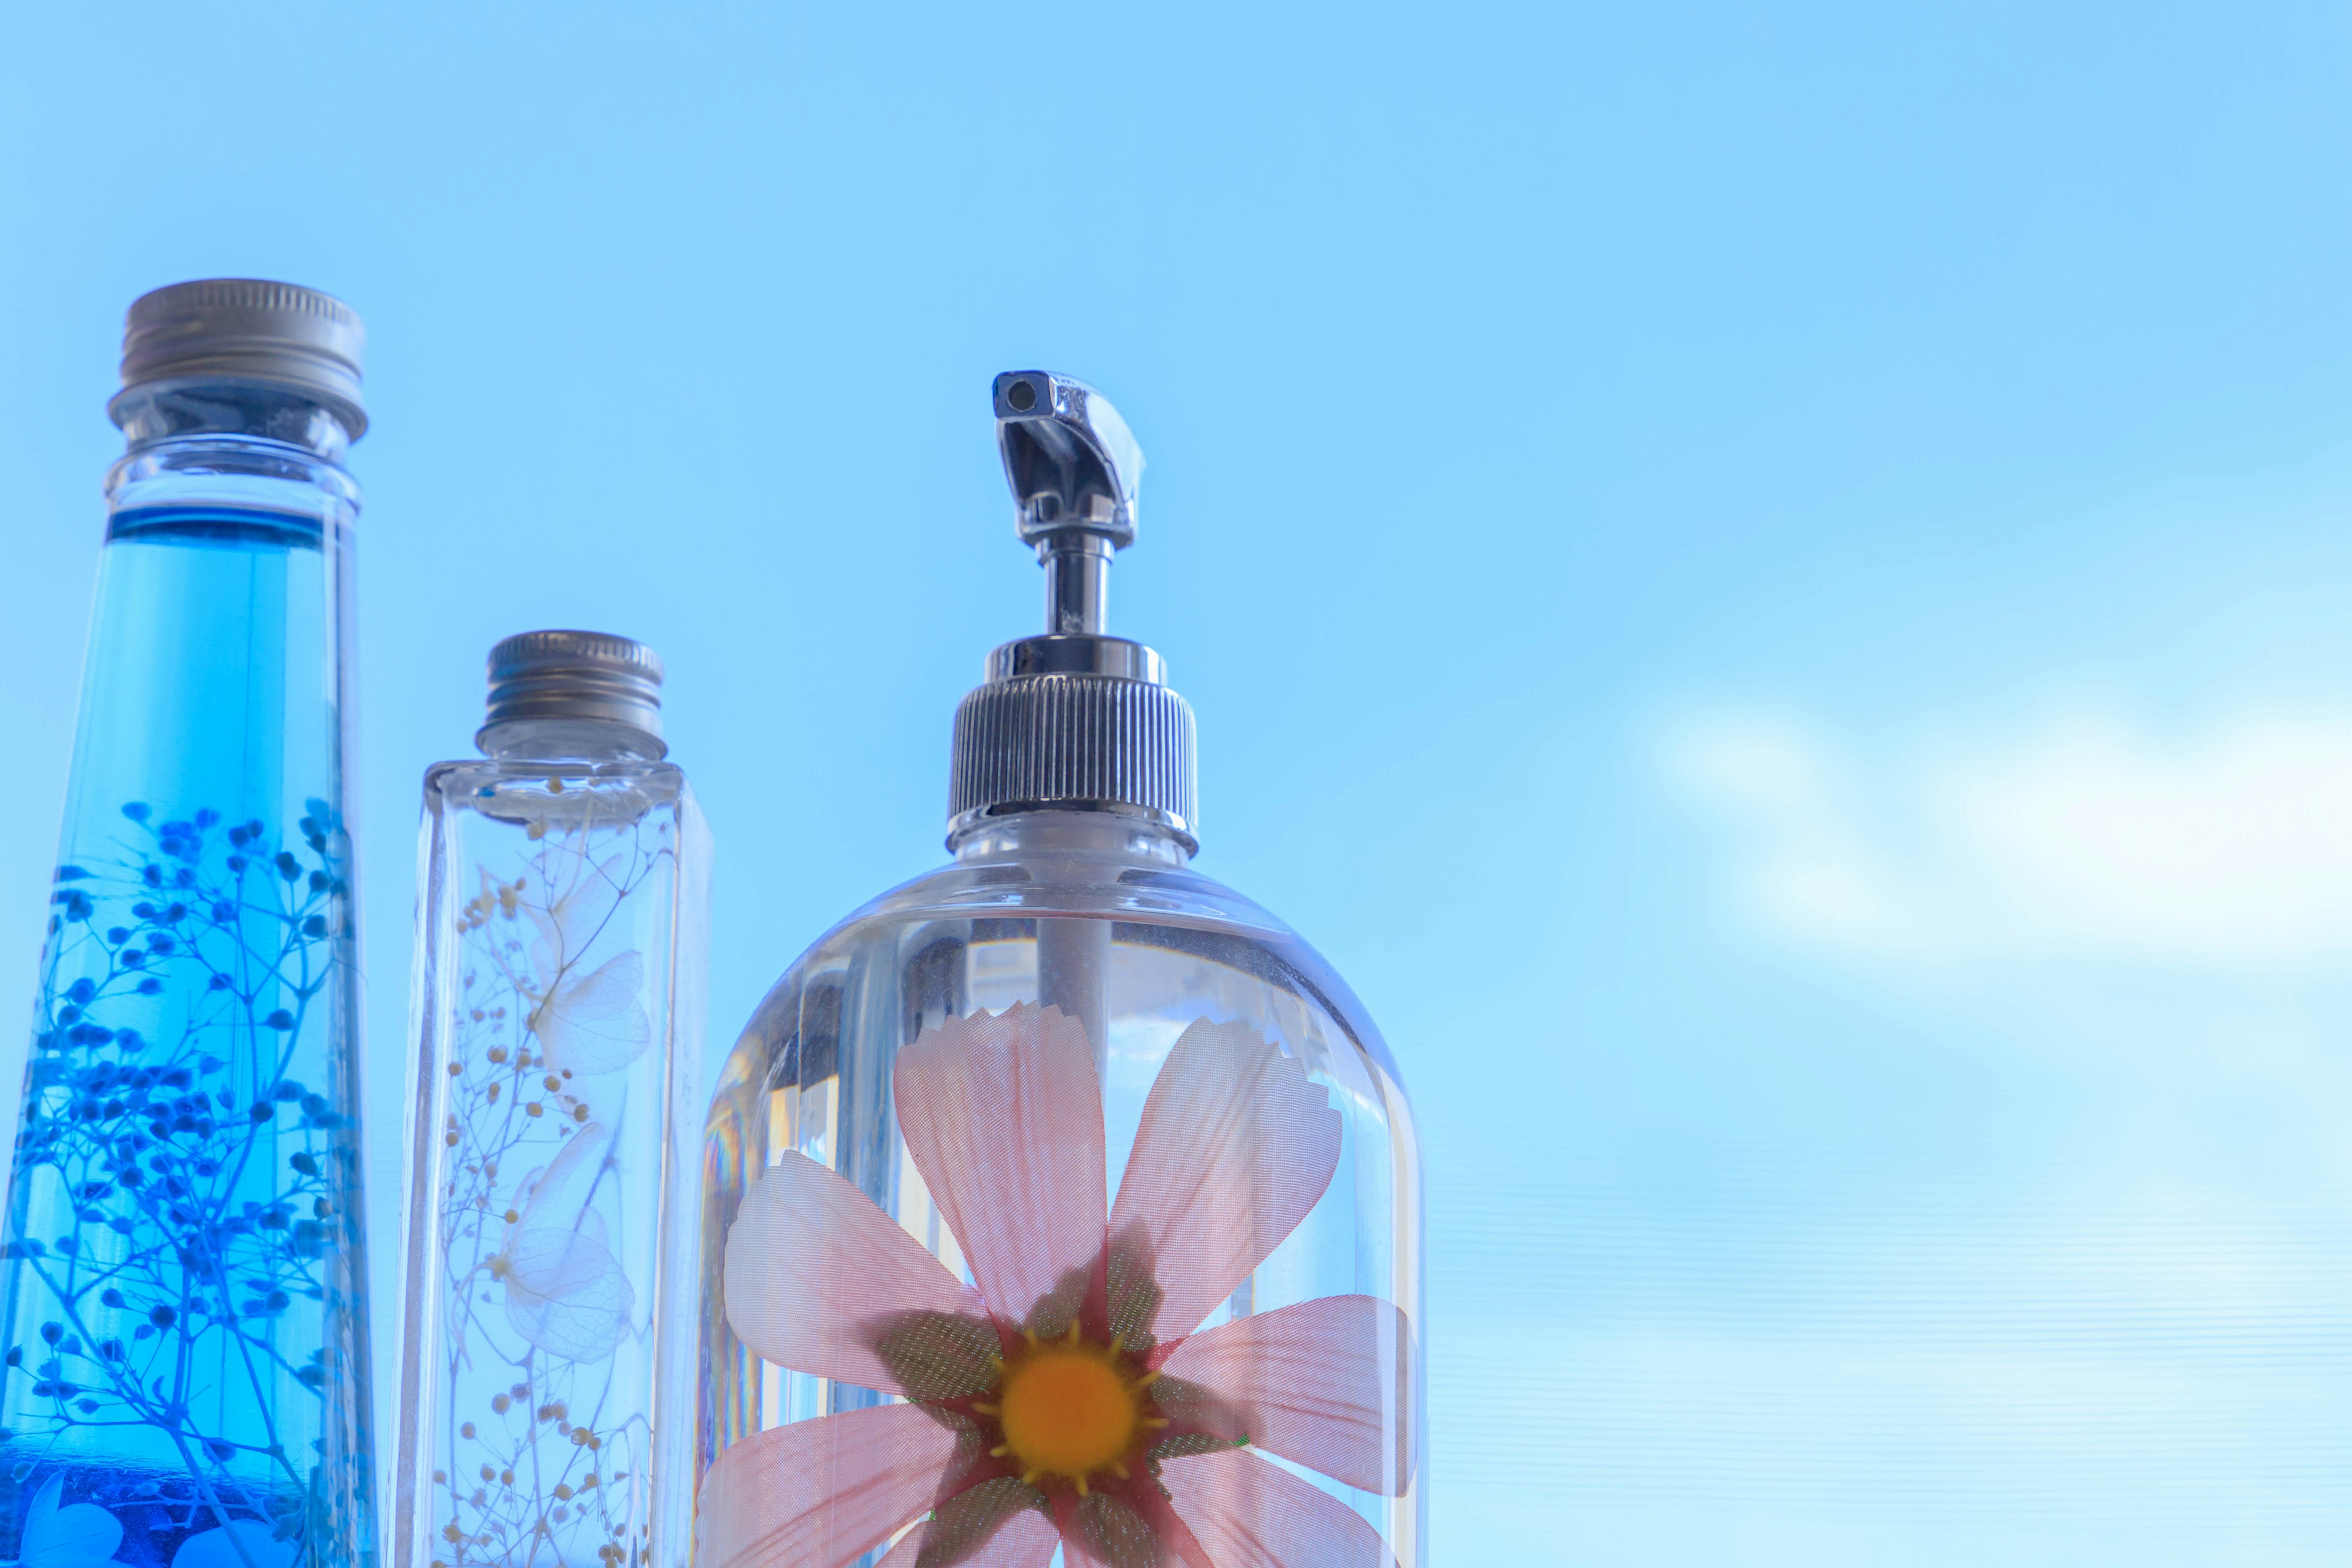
185	1311
1062	1196
549	1321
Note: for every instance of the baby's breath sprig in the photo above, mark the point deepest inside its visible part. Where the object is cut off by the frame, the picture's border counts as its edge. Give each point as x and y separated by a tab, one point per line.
542	1442
179	1188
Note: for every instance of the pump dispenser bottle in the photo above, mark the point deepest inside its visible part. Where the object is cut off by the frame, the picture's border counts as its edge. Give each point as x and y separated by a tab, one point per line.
548	1329
1062	1196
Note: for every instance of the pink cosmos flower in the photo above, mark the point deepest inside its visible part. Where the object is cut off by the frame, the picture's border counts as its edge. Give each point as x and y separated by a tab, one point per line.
1067	1400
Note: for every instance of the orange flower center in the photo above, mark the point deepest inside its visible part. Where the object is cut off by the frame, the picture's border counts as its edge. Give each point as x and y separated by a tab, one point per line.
1068	1407
1067	1410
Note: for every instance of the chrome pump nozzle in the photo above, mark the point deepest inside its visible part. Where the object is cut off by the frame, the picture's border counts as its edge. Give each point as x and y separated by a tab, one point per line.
1074	470
1074	719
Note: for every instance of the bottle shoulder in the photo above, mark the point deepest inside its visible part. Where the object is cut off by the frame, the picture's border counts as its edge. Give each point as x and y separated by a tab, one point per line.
479	770
1166	906
1050	882
510	788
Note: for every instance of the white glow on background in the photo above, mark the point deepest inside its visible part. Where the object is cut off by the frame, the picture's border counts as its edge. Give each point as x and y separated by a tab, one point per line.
2229	846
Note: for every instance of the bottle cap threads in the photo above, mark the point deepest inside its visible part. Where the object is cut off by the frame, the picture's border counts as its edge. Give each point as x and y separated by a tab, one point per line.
247	329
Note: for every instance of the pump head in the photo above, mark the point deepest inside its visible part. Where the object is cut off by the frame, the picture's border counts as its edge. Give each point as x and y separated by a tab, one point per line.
1075	720
1076	471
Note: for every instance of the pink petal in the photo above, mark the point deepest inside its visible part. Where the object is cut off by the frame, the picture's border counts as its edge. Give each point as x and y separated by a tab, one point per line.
1328	1383
1025	1540
817	1277
1003	1116
817	1494
1236	1145
1248	1513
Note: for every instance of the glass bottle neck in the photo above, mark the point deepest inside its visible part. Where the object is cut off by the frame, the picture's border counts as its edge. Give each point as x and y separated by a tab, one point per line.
256	410
592	742
241	446
1100	833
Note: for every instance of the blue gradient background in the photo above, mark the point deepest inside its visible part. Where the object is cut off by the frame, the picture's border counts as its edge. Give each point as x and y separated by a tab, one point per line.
1769	582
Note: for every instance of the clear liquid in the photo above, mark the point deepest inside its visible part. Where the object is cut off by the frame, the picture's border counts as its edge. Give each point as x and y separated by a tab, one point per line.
184	1308
1139	953
557	1056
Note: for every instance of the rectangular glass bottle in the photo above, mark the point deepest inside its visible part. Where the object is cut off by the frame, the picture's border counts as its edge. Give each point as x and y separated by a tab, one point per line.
547	1360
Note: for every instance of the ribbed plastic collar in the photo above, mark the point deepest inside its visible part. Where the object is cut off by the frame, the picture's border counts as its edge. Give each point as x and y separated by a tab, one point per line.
1074	723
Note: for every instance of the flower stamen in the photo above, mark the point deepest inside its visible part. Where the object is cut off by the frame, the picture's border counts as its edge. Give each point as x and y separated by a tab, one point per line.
1068	1409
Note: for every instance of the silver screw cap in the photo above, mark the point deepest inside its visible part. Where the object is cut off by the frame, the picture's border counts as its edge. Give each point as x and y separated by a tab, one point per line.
247	329
592	677
1075	719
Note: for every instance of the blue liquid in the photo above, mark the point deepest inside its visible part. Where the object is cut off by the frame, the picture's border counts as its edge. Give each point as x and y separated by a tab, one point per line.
185	1307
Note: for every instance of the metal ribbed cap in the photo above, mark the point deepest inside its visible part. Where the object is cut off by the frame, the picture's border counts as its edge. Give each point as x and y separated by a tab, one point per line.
1073	721
1087	736
247	329
589	675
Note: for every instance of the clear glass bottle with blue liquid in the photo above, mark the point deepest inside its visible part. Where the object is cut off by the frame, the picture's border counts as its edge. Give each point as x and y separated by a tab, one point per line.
184	1318
1062	1200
